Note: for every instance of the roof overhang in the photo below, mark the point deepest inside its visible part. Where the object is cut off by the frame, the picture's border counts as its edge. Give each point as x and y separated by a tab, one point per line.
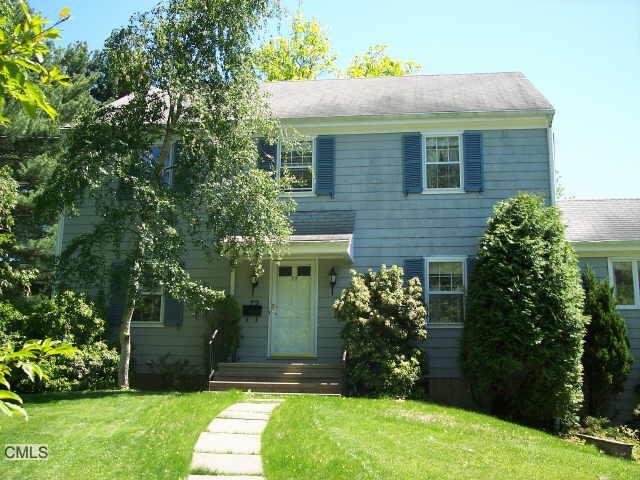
503	120
607	248
320	246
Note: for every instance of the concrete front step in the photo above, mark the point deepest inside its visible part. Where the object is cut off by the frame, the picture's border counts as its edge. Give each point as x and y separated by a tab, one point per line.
331	388
226	464
237	443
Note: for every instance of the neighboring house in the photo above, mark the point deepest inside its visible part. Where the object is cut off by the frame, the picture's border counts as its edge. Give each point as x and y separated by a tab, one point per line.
606	236
396	170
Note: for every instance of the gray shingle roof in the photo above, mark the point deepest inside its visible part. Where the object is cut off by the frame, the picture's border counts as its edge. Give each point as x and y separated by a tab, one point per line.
606	220
412	94
323	222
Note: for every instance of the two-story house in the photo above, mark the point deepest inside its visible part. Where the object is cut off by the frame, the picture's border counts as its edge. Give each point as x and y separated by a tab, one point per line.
395	170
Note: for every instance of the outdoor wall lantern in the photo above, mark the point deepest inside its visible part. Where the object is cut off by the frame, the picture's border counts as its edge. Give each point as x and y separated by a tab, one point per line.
254	282
332	279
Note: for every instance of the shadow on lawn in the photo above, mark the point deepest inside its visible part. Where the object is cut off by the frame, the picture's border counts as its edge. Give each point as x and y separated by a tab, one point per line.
47	397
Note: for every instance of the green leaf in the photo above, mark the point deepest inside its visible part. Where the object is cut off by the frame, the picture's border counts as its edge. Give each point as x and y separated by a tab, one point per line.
7	395
65	13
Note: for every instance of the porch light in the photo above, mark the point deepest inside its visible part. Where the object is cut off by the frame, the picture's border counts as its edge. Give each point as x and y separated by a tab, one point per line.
254	282
332	279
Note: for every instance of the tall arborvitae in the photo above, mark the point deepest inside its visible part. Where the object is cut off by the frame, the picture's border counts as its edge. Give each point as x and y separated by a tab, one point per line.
607	358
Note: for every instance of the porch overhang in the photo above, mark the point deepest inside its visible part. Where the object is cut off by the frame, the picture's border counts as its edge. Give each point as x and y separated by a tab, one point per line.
337	246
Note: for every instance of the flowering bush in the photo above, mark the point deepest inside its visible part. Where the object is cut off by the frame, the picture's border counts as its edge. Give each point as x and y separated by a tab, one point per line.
384	322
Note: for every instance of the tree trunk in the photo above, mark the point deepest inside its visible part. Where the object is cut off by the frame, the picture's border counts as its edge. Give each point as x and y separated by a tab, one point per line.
125	346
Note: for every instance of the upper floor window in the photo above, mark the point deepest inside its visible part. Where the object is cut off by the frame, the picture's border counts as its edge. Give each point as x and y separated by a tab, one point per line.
443	169
446	284
295	159
168	167
625	278
297	162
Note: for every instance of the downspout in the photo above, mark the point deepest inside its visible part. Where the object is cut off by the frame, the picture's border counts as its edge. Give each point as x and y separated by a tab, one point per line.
551	146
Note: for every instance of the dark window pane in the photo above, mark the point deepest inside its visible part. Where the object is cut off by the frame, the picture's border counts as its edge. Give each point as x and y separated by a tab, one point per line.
623	280
285	271
304	271
148	308
446	308
302	178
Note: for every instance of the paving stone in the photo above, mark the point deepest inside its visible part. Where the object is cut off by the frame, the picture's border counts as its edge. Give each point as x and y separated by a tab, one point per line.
231	425
252	407
240	415
228	443
227	464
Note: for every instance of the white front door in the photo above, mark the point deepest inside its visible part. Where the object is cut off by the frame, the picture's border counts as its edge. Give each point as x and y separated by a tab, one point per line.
293	326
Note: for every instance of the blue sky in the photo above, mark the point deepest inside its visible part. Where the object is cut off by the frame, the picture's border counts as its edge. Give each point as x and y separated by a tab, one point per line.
584	55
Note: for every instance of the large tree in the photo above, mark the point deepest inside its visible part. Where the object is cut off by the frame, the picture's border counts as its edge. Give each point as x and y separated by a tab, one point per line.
376	62
305	55
195	96
31	147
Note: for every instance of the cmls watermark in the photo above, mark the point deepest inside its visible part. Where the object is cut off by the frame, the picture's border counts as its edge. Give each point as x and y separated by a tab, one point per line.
26	451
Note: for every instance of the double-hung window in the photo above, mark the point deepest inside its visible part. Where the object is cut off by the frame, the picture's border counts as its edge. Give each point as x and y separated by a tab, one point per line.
149	308
167	170
294	159
625	278
446	285
296	162
443	163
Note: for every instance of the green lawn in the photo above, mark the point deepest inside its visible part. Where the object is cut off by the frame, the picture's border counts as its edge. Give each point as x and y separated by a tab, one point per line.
337	438
111	435
135	435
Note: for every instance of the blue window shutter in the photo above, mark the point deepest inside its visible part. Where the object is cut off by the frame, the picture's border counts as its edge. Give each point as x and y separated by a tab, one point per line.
173	309
472	147
267	155
414	267
117	295
412	163
326	165
471	263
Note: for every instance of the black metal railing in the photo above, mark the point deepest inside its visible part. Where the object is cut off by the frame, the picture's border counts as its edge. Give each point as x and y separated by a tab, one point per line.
212	354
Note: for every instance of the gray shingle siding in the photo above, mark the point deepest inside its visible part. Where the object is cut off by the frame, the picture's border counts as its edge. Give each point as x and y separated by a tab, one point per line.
387	227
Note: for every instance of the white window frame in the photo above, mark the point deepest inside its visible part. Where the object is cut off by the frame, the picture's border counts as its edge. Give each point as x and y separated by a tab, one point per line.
160	322
459	259
423	153
299	193
171	167
635	267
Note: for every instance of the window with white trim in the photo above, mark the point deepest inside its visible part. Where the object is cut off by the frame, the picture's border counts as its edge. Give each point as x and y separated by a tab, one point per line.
168	167
297	162
625	278
443	164
446	286
149	307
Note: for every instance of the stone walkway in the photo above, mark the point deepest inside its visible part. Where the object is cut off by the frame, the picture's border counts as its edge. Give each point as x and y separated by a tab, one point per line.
230	448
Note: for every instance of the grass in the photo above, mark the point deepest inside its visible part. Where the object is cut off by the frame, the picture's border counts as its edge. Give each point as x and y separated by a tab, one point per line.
341	438
118	436
111	435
